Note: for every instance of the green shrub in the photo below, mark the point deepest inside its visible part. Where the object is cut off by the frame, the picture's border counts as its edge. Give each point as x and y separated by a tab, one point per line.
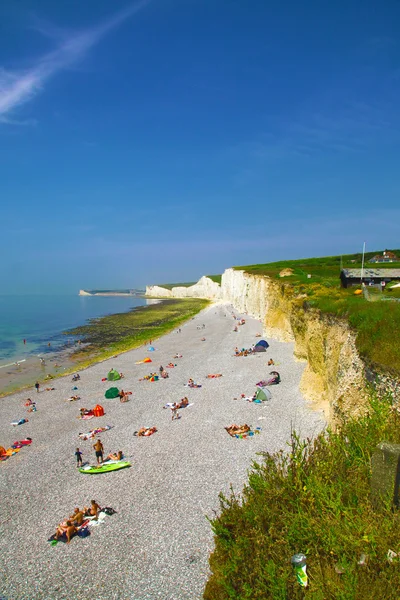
315	499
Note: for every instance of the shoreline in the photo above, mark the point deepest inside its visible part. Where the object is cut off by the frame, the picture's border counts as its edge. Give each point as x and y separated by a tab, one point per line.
19	376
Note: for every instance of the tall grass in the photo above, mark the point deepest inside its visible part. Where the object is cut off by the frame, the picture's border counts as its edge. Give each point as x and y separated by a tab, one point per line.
315	499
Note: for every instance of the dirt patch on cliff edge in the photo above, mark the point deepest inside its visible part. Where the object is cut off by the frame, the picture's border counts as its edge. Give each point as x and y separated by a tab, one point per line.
286	272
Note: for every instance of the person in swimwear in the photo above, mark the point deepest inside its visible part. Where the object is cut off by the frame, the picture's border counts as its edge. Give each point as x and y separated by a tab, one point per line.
99	449
68	528
77	517
93	511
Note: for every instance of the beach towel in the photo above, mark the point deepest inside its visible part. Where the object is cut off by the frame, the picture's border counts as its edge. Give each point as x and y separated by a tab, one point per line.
15	448
20	422
21	443
170	405
242	435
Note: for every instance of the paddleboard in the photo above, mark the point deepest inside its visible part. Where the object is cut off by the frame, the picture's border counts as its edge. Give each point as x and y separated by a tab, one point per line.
105	468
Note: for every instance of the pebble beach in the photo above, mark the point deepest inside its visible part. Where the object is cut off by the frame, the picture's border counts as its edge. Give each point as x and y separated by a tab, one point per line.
158	543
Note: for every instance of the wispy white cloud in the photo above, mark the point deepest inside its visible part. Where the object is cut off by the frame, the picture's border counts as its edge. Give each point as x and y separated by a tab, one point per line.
17	88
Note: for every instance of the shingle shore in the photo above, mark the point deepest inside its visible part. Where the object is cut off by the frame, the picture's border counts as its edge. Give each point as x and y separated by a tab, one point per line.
158	543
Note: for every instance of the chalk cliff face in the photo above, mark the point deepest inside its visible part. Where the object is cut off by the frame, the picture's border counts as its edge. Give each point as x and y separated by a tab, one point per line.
204	288
335	377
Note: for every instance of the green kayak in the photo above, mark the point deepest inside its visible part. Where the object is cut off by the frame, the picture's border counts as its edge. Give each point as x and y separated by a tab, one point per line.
105	467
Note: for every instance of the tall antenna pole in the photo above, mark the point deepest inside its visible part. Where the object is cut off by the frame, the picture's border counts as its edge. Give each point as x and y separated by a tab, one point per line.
362	265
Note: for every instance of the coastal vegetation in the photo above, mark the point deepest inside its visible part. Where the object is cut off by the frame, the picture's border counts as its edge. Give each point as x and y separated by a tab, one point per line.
169	286
106	336
312	498
315	282
216	278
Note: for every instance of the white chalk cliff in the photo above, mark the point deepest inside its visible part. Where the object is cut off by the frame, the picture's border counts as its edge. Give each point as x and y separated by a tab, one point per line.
204	288
335	377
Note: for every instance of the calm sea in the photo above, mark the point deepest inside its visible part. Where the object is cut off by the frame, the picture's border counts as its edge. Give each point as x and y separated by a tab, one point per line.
40	320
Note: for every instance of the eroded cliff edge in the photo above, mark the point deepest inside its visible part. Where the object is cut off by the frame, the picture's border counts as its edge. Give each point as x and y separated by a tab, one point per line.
335	377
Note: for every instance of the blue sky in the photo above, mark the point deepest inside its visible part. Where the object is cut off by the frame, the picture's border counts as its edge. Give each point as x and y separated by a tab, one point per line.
161	140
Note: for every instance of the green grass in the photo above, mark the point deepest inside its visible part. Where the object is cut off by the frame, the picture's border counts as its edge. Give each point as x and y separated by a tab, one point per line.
314	499
324	270
374	322
216	278
169	286
120	332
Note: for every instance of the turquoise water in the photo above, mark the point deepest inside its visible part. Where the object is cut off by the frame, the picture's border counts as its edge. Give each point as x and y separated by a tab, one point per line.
40	320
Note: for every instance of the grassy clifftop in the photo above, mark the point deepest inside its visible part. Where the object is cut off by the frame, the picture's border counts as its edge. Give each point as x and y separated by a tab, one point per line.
375	323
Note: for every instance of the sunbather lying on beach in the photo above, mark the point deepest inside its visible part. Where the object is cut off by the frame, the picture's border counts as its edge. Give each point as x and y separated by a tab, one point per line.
74	398
145	431
178	356
151	377
49	389
274	380
20	422
67	529
270	362
192	384
29	402
164	375
183	403
237	429
214	376
84	412
117	456
76	377
93	432
170	366
203	339
124	396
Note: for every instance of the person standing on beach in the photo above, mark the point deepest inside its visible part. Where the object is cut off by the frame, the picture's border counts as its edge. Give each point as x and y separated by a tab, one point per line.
37	386
78	455
98	446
